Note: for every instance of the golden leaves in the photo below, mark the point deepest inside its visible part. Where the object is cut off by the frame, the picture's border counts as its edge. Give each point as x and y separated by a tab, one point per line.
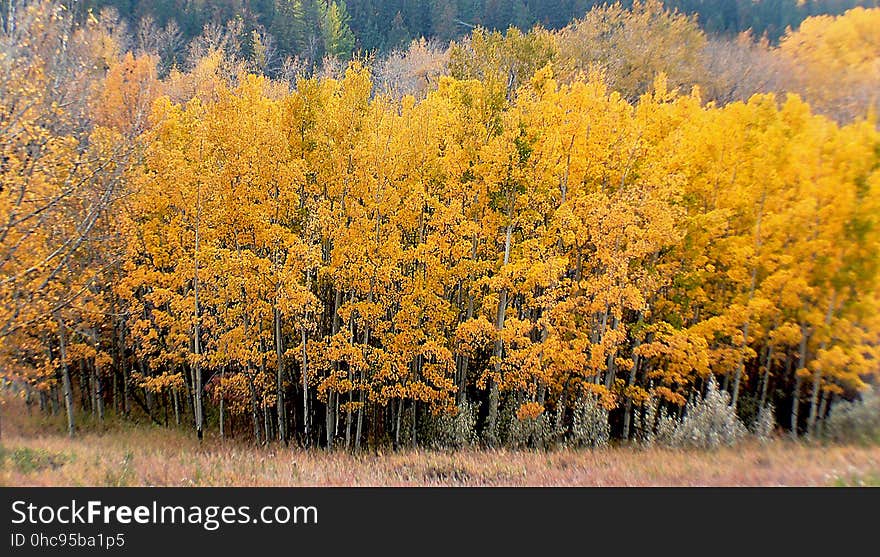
529	411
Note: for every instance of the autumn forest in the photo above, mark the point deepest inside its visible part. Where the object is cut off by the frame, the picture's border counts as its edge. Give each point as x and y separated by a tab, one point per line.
516	238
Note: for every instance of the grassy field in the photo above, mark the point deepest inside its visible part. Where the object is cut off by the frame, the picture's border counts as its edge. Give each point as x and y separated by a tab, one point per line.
35	452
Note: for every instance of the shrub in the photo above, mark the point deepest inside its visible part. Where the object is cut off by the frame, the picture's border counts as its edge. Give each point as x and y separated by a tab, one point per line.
709	422
453	431
660	425
590	427
532	432
526	429
27	460
764	423
854	422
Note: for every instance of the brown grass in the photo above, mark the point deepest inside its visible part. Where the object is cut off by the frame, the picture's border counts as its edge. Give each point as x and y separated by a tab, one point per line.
35	452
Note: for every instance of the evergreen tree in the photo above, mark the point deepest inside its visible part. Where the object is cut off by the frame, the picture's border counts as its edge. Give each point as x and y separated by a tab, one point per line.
338	40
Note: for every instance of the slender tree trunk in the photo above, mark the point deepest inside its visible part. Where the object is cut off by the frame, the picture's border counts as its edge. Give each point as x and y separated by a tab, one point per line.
822	409
279	376
796	396
766	380
397	421
222	405
336	414
255	405
745	342
627	415
85	391
126	393
415	421
465	359
249	376
348	413
96	378
739	366
267	423
305	379
817	377
330	421
65	376
197	349
361	400
360	413
165	407
175	400
610	362
117	400
492	420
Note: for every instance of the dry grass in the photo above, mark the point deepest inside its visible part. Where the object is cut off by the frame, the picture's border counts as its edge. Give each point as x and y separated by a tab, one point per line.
35	452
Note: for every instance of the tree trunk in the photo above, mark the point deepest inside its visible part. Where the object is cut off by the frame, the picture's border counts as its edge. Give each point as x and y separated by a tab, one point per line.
627	415
267	424
397	421
174	399
823	406
492	420
222	406
745	342
279	376
610	362
766	380
255	405
739	367
305	379
795	402
465	360
330	422
415	416
361	400
817	377
96	378
67	386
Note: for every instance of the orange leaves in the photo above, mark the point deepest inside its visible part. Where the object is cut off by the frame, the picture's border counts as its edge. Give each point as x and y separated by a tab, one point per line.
683	354
529	411
837	61
670	396
547	243
606	398
159	383
126	96
474	336
233	390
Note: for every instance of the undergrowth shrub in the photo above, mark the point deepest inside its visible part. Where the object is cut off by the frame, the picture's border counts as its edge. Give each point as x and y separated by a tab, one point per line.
532	431
448	431
854	422
27	460
659	427
764	424
709	422
590	427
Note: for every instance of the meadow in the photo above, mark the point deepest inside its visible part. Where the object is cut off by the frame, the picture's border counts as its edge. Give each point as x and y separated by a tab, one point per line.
35	451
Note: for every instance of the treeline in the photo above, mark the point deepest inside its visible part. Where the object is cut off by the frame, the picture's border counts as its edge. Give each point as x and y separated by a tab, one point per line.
310	29
519	249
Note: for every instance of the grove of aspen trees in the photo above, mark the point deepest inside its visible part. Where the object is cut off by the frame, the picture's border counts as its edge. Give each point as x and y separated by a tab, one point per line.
444	244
